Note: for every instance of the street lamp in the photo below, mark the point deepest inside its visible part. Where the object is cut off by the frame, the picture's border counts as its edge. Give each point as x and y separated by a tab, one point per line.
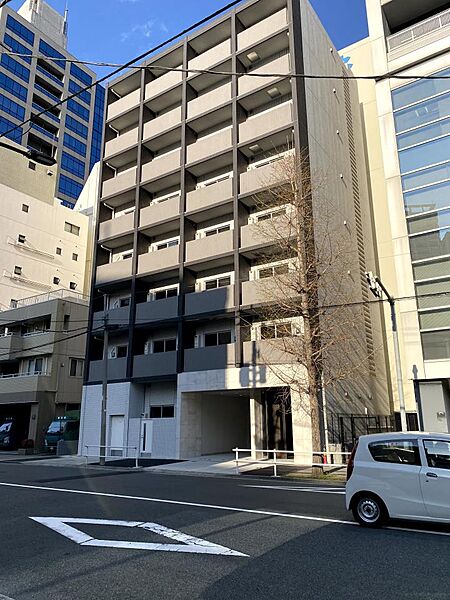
35	155
378	289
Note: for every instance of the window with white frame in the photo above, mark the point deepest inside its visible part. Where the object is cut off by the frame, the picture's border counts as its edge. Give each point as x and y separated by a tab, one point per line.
214	282
277	329
282	267
119	351
257	161
214	229
118	301
165	197
269	213
162	293
34	366
76	366
213	338
163	244
159	346
203	183
123	255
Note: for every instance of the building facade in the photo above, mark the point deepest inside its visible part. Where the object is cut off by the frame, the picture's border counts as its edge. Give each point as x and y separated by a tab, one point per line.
41	361
408	146
36	75
179	264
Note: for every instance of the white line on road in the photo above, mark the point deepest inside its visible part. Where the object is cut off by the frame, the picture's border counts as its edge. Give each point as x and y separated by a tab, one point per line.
313	490
212	506
2	597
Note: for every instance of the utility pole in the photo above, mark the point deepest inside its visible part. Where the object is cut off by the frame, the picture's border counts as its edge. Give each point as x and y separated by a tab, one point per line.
102	453
377	288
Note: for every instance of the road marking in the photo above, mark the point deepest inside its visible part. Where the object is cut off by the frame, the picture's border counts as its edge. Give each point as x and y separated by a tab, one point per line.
211	506
189	544
2	597
298	489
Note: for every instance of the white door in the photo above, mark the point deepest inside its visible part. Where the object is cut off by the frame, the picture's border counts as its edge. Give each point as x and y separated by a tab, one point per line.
117	428
435	478
146	436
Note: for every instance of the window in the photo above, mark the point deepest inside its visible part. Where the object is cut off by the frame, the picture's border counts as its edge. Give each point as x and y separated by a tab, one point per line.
21	238
217	338
10	130
17	270
56	280
83	95
436	345
162	412
76	366
69	187
269	214
74	144
166	244
59	251
70	228
271	270
13	303
78	110
32	166
20	30
66	322
72	165
209	231
48	50
213	284
15	67
398	451
14	88
72	285
12	108
17	47
80	74
163	293
74	257
122	351
166	345
25	208
76	127
438	453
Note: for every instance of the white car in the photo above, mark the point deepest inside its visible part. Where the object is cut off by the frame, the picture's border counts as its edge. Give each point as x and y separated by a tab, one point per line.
399	476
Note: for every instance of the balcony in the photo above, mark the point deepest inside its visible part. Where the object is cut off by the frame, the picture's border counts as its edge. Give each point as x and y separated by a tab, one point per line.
266	352
163	83
114	271
261	234
15	386
264	29
157	310
159	125
423	33
123	105
251	84
116	316
213	357
9	343
121	143
204	197
266	122
155	365
160	260
210	301
161	165
117	369
209	101
120	183
44	340
258	178
212	57
209	247
116	227
215	143
159	212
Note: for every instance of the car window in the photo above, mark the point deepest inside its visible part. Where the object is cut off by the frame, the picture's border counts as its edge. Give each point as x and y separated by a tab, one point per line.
55	427
405	452
438	453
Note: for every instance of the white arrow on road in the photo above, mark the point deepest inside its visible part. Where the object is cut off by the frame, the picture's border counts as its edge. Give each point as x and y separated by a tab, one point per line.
188	543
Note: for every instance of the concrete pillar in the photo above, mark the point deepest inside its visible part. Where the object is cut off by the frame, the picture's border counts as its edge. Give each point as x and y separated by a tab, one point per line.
301	428
435	402
256	424
189	426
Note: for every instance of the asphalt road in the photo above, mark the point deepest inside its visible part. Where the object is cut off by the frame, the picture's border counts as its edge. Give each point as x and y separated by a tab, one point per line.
184	537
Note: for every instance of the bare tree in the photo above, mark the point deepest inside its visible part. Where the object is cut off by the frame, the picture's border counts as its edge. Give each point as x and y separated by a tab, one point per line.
309	317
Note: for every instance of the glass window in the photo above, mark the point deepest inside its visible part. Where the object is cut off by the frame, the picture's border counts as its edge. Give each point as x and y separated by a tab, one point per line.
420	114
435	319
20	30
419	90
425	155
433	294
77	127
14	88
15	67
12	108
78	110
48	50
399	451
17	47
84	95
436	345
430	198
427	223
168	412
74	256
74	144
122	351
217	338
430	245
69	187
25	208
426	177
5	126
80	74
423	134
437	453
70	228
72	165
432	269
158	346
76	367
72	285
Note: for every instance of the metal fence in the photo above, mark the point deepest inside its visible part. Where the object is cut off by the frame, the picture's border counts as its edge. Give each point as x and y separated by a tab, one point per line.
107	454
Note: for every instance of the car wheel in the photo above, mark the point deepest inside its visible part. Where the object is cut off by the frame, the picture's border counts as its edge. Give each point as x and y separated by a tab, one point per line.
369	511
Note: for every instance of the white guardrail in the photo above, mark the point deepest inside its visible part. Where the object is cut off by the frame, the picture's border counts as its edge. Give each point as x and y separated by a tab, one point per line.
99	455
325	459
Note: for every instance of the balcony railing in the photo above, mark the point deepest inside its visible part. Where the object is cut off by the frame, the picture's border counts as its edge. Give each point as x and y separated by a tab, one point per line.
55	295
418	31
49	75
41	89
48	114
48	134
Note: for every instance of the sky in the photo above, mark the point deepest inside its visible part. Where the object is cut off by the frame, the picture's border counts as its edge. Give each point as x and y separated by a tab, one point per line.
118	30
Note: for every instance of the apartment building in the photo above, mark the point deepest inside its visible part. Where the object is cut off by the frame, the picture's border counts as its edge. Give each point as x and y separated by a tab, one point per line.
408	147
41	361
43	245
37	76
179	261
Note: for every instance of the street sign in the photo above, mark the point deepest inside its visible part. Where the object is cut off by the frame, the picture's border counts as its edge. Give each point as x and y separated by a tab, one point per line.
188	543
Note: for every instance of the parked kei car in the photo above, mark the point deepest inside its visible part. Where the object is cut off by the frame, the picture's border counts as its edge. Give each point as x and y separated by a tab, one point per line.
399	476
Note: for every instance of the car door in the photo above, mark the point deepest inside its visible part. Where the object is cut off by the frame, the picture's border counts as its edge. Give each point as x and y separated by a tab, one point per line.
435	478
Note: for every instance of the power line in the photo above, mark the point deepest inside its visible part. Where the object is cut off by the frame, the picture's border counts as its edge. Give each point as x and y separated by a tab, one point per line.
129	63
